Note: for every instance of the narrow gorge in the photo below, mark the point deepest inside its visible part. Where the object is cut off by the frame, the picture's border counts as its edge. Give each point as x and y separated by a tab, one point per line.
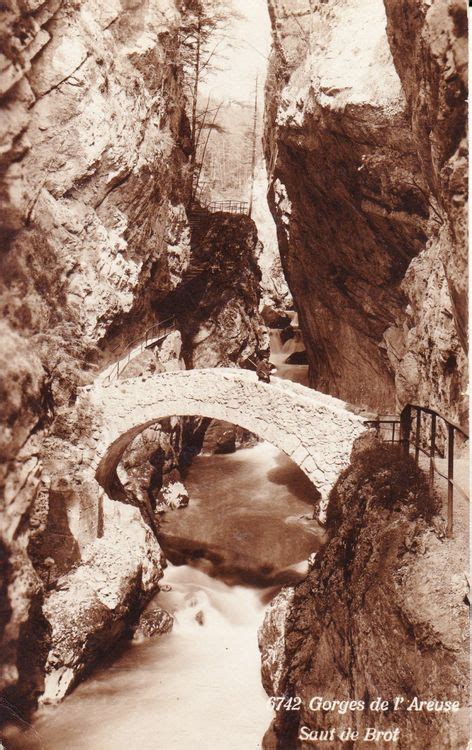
221	317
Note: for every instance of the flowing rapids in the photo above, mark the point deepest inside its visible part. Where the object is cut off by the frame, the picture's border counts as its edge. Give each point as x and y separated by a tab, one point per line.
245	530
281	350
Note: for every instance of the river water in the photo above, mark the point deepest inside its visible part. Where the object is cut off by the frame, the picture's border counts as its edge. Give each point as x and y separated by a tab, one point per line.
246	531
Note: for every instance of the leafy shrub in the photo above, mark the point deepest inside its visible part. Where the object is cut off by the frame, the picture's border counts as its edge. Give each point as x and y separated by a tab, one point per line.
387	478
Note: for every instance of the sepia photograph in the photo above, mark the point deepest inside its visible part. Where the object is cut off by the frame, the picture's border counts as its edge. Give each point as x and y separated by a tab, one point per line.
234	420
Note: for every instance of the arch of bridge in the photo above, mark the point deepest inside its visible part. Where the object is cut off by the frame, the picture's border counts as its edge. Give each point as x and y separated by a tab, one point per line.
315	430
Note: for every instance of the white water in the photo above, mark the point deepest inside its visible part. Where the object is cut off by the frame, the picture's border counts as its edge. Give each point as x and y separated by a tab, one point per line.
199	685
280	351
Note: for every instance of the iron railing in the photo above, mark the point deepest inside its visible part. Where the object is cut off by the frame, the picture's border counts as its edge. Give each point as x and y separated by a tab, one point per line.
229	207
198	212
157	332
402	436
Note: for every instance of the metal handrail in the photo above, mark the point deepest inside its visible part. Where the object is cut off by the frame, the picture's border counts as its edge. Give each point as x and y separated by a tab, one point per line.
168	325
448	421
147	337
229	206
198	210
405	423
377	422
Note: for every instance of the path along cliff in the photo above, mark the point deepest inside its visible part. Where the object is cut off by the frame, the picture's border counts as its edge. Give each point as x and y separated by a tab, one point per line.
383	613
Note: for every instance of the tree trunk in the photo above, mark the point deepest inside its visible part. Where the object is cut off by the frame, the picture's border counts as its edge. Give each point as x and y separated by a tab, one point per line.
193	123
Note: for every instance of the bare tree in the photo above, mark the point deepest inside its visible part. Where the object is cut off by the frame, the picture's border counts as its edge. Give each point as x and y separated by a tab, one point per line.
254	136
204	31
209	127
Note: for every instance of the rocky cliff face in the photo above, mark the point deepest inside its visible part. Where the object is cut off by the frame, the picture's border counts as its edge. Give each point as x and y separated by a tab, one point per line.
217	302
366	160
95	235
381	614
93	189
429	47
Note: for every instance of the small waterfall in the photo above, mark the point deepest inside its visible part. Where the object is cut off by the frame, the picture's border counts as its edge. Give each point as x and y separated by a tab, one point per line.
282	347
280	350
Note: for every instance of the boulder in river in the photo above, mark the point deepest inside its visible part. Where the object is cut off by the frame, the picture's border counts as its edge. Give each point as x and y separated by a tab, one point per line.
173	495
275	318
297	358
153	623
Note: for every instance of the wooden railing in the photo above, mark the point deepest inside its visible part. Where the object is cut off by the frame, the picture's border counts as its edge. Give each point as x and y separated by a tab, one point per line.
157	332
398	430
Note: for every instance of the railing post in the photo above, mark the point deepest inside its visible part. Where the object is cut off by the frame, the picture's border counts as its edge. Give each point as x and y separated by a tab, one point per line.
405	425
450	477
393	433
432	450
417	435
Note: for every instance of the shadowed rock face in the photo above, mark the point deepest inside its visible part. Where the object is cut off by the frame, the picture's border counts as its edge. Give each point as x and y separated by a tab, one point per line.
429	47
354	206
216	304
382	613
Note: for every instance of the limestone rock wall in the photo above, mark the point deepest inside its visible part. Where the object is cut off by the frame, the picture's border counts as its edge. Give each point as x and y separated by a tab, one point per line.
95	241
365	152
429	47
92	146
382	613
95	603
93	187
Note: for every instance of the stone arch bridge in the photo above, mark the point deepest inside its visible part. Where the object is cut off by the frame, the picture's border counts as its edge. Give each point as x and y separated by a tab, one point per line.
316	431
119	553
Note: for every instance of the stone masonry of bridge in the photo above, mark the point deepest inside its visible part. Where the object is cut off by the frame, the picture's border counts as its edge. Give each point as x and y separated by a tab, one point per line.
315	430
